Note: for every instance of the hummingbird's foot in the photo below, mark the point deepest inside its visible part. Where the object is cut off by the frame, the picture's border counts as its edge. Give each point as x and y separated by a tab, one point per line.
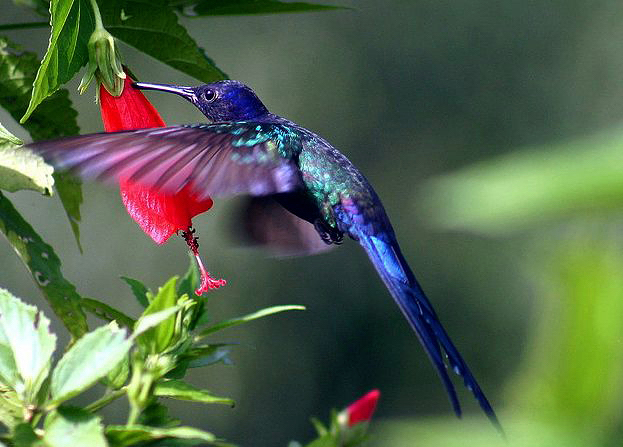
207	281
327	234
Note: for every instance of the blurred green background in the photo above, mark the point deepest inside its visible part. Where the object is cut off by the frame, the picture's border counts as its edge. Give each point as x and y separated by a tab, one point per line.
492	132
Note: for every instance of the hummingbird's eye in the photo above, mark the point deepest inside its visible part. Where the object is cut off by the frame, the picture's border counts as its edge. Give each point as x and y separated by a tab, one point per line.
209	95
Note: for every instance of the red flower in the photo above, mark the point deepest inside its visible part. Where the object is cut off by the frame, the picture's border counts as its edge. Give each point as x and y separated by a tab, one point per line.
159	215
362	409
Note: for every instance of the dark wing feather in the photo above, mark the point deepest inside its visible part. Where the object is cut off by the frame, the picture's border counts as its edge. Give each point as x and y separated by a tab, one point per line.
215	160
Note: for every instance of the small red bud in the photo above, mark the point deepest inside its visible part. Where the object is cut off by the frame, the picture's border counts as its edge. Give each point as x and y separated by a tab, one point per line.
363	408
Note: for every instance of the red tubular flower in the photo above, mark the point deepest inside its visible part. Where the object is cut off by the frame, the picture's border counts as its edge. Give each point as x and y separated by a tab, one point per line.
362	409
159	215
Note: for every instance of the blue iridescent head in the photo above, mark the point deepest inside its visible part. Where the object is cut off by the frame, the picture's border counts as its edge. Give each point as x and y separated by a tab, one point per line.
219	101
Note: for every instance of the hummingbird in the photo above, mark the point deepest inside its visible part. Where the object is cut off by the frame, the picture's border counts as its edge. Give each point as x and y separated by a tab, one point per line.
289	172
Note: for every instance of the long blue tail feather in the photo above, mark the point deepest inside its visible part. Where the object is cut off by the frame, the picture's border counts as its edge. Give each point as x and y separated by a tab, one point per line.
406	291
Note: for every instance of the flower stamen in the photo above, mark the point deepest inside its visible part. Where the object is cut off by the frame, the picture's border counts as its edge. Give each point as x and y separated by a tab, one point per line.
207	281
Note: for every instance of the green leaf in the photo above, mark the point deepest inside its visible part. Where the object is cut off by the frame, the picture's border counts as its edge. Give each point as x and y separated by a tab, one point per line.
240	7
190	281
88	360
246	318
151	26
24	436
149	321
118	376
105	312
126	435
11	409
156	339
69	190
522	189
26	332
45	268
139	290
187	286
8	137
20	168
209	355
55	116
73	427
177	389
72	24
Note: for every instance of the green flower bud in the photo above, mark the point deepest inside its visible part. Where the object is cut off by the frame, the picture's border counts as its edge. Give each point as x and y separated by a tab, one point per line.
104	63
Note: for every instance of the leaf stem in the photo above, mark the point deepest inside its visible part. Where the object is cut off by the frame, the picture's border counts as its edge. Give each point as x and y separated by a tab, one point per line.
25	25
105	400
96	13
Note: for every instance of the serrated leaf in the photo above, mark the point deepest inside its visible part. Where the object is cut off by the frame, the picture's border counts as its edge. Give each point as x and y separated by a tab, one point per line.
88	360
151	26
72	24
105	312
45	268
26	332
156	339
126	435
244	7
11	409
139	290
21	168
177	389
246	318
75	427
55	116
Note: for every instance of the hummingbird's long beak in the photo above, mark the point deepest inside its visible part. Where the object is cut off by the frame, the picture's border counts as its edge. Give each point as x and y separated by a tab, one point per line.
185	92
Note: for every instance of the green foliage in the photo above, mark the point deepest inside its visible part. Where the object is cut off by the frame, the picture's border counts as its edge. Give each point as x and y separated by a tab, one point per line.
160	341
72	23
54	117
75	424
138	290
21	168
177	389
246	318
152	27
26	347
88	360
157	337
45	268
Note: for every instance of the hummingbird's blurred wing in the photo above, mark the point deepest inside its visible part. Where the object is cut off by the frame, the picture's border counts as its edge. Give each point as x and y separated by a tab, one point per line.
262	221
215	160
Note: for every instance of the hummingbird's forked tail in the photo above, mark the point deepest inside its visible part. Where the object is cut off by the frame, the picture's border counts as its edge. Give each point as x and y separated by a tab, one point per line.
404	288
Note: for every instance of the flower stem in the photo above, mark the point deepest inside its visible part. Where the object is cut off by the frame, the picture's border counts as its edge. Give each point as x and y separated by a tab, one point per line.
105	400
96	13
25	25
